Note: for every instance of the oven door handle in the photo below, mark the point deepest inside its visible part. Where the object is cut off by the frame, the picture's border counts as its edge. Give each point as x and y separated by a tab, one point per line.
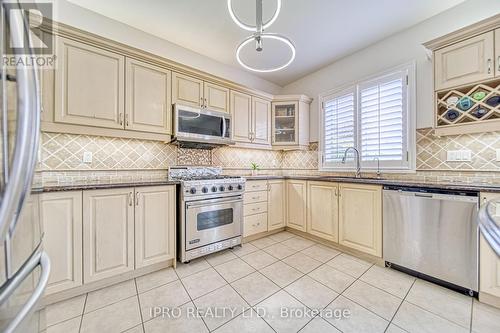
214	201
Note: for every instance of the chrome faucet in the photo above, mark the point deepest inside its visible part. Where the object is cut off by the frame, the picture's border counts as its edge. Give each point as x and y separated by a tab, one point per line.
358	165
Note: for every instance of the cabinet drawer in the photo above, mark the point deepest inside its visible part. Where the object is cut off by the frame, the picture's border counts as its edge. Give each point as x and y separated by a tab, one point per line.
256	185
253	197
254	224
255	208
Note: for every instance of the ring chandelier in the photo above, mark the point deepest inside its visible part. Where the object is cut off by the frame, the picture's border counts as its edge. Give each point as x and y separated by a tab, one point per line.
259	35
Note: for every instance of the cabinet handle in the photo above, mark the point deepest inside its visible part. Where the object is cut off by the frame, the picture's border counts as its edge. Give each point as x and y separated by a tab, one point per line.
130	200
121	118
498	62
336	192
201	102
489	66
126	120
205	102
137	199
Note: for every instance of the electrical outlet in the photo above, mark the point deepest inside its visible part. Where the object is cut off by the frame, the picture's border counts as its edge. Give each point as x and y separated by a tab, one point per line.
458	155
87	157
452	155
498	155
465	155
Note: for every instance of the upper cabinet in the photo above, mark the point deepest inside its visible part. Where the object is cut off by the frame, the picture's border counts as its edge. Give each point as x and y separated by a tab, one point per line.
89	85
468	61
497	52
290	122
194	92
148	106
251	120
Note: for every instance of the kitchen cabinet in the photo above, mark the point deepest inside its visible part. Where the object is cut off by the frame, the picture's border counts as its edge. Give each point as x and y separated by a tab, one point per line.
187	90
190	91
241	110
148	98
296	204
154	225
61	217
89	85
276	206
108	233
261	121
322	209
216	97
468	61
360	217
489	265
497	52
290	122
255	202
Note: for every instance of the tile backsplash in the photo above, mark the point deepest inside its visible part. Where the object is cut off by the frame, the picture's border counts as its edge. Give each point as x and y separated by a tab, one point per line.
118	160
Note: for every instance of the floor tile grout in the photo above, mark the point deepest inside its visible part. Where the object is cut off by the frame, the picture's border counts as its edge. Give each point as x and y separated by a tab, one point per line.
140	307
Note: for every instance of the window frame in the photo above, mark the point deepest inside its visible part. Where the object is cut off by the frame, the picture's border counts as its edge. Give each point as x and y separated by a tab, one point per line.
409	126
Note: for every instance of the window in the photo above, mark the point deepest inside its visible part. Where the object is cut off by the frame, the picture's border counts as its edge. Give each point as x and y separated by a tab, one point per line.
376	117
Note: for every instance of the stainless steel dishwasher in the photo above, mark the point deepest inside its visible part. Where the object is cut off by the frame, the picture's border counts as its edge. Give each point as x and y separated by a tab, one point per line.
433	234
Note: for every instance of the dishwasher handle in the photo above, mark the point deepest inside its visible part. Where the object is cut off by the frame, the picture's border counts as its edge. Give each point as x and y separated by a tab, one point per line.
436	196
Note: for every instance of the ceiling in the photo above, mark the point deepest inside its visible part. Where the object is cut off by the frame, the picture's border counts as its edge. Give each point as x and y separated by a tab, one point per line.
322	30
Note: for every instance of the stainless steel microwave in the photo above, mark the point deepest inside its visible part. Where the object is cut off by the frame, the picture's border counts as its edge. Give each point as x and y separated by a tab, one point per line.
200	127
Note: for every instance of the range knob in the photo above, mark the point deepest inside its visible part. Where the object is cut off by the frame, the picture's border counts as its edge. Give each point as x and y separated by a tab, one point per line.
214	189
222	188
192	190
240	187
230	187
204	189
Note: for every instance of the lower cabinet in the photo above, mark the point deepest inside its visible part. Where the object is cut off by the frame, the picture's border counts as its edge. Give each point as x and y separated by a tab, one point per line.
360	217
255	203
61	217
489	266
276	206
322	210
296	191
108	233
154	225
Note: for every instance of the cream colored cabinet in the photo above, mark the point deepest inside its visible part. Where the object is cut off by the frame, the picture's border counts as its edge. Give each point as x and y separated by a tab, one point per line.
296	204
187	90
489	266
290	122
89	85
322	209
148	94
261	121
497	52
276	206
241	110
360	217
61	217
465	62
216	97
154	225
255	201
108	233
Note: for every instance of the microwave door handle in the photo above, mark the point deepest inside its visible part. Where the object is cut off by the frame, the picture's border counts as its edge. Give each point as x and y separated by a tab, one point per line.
223	127
27	137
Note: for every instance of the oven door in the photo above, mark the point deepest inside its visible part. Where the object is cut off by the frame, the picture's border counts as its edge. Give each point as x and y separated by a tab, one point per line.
210	221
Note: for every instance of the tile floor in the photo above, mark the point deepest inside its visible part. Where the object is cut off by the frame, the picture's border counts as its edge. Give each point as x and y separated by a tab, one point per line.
272	285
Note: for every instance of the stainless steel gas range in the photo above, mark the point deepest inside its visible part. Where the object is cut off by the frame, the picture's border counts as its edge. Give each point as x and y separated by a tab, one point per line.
210	211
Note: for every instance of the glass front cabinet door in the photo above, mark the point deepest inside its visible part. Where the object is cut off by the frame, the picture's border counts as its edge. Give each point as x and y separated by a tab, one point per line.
290	122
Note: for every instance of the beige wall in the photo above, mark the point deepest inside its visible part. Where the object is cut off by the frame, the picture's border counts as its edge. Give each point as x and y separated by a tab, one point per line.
400	48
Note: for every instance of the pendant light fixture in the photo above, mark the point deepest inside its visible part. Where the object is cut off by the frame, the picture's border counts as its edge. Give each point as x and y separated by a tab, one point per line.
259	36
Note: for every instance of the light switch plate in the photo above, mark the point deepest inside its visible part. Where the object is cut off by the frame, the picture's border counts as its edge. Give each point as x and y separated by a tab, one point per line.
498	155
87	157
459	155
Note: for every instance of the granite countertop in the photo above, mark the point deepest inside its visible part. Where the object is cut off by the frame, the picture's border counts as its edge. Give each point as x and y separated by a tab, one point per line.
484	187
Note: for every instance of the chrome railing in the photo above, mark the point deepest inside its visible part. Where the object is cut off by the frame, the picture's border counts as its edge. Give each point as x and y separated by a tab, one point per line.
489	223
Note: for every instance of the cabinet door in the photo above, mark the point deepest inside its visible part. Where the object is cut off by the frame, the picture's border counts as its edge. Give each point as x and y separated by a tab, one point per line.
61	214
464	62
360	218
241	110
285	123
89	85
497	52
296	192
322	210
187	90
108	233
149	105
154	225
276	209
216	97
261	133
489	265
